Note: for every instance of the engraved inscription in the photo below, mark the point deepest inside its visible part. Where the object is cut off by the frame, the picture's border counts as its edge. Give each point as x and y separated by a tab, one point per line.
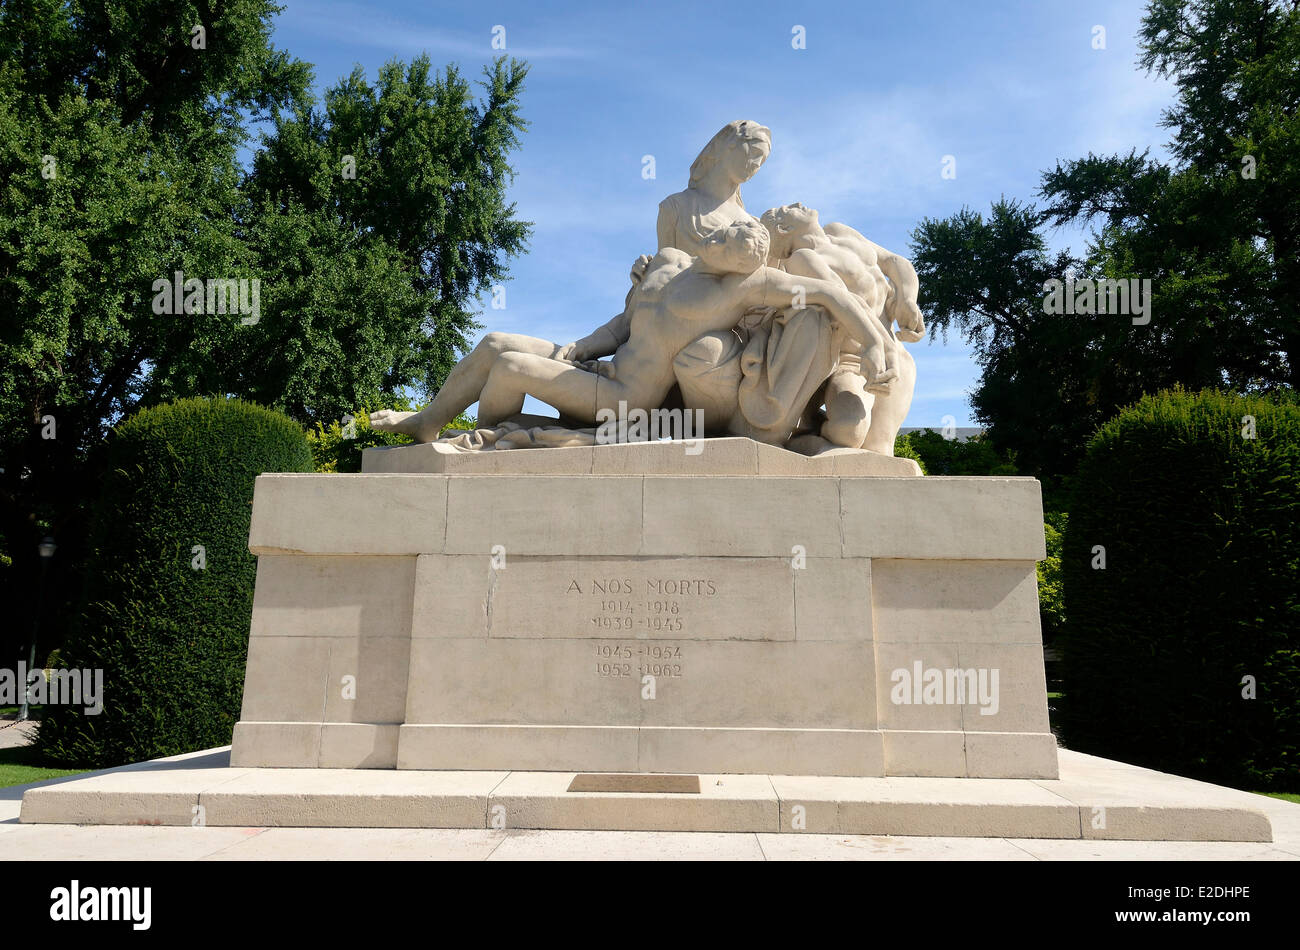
644	605
642	598
621	658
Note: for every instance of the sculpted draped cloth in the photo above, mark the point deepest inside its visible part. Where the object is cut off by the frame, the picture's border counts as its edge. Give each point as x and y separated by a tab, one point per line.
788	356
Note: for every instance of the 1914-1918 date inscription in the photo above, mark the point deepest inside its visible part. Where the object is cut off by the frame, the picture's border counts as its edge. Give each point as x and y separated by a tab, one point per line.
640	608
644	606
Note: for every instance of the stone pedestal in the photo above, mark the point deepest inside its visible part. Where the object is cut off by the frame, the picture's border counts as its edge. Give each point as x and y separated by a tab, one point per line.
807	623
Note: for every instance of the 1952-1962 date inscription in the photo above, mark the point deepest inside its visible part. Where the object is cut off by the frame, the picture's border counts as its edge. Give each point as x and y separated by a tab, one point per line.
638	659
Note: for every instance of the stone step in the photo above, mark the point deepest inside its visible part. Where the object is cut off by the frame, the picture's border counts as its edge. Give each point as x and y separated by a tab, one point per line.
1093	799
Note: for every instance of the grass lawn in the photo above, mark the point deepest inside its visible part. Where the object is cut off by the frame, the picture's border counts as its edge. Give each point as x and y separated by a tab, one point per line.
1285	796
20	765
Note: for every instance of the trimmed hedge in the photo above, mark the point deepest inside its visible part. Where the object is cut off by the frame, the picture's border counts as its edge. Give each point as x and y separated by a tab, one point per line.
1051	593
975	456
1201	588
167	622
903	449
338	448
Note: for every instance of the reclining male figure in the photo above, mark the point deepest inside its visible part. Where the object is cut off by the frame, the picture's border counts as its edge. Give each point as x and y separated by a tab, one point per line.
463	384
678	299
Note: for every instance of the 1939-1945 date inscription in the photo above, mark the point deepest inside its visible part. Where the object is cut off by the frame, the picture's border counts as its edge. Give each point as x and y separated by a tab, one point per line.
644	606
641	608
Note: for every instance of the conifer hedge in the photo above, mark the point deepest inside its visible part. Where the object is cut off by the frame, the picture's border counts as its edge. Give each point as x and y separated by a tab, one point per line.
1182	590
169	581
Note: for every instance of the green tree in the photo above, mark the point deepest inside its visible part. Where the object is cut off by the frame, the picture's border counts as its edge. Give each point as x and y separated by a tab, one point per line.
942	456
119	140
403	183
117	152
983	278
1216	230
338	447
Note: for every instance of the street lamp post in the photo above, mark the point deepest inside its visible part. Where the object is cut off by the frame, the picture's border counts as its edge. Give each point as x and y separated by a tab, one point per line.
46	550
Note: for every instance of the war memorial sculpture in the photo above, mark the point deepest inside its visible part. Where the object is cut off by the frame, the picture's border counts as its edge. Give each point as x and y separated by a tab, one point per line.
703	595
768	590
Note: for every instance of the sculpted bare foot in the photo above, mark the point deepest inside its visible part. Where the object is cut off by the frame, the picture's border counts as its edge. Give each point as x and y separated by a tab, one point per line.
408	423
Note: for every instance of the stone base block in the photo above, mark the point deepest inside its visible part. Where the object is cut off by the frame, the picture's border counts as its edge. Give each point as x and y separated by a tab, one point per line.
727	456
642	749
757	612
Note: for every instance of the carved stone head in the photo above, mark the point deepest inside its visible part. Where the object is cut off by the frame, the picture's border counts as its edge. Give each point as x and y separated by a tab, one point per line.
786	224
739	248
740	147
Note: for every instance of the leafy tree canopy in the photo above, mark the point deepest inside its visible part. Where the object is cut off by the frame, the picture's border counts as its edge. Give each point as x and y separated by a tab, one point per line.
1216	231
362	233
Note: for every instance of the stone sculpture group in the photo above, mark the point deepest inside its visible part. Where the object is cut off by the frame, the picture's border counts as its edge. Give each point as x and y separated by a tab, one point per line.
762	602
775	328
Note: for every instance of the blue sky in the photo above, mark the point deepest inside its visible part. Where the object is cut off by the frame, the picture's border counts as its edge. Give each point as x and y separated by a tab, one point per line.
861	120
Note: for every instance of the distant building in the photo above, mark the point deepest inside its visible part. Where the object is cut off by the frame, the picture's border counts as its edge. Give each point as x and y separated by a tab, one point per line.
964	434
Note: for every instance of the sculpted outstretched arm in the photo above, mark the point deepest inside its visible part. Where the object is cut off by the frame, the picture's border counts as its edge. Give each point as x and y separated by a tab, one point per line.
901	305
769	287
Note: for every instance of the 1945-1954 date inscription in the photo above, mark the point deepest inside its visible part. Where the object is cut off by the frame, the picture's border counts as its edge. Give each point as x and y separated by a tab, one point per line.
638	659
